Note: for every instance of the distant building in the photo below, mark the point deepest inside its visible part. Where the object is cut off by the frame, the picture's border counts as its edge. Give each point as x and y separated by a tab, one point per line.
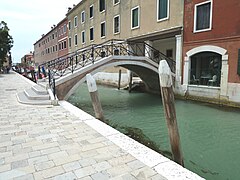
52	45
28	59
211	50
62	38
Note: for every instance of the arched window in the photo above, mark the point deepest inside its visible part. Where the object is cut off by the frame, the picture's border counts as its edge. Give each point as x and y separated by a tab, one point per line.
206	69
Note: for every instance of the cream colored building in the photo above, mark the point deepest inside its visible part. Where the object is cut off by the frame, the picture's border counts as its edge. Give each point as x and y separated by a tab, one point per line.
158	22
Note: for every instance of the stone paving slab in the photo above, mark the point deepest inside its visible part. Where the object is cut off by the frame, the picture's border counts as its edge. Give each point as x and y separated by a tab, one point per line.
63	142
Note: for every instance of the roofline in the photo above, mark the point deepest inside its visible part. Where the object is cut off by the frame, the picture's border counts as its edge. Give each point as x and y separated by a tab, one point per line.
75	7
50	30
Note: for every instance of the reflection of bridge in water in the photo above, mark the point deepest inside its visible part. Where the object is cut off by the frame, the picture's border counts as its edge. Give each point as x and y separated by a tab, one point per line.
66	73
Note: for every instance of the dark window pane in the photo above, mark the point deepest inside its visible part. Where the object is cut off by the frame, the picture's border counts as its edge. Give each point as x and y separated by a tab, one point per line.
102	29
203	16
116	24
135	18
101	5
162	9
91	12
91	34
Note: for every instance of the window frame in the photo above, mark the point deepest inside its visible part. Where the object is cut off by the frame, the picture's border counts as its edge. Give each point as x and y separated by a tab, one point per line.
118	23
195	16
83	35
114	3
70	42
168	9
76	21
69	25
75	40
83	17
100	6
103	22
91	40
92	6
136	7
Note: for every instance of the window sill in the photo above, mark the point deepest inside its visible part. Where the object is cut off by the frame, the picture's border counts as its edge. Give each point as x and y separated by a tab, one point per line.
116	33
202	30
102	11
133	28
161	20
204	86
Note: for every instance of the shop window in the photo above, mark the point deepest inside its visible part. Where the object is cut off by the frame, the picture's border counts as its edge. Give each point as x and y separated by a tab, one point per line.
206	69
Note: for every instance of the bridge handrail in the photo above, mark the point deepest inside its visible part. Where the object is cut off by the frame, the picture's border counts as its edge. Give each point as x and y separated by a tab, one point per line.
94	52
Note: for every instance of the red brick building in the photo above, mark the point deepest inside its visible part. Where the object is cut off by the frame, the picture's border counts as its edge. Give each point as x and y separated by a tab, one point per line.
53	44
62	38
211	67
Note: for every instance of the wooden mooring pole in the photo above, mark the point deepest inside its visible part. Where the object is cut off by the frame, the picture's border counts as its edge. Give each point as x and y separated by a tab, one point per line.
119	79
166	84
92	88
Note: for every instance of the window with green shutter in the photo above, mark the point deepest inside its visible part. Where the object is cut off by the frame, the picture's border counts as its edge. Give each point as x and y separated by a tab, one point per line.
238	69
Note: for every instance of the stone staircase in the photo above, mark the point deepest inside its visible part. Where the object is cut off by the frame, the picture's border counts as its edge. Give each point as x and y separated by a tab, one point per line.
36	95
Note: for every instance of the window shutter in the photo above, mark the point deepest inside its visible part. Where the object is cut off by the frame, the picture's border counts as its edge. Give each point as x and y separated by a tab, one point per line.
238	70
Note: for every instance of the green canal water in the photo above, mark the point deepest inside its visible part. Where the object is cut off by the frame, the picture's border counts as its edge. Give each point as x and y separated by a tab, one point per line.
210	135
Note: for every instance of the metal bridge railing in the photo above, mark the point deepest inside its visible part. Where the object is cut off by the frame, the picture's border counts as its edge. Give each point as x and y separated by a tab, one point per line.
93	53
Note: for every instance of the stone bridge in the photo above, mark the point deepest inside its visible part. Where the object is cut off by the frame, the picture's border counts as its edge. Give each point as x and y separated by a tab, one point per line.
67	73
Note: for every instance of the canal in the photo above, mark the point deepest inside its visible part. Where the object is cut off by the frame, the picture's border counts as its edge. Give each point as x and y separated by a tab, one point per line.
210	135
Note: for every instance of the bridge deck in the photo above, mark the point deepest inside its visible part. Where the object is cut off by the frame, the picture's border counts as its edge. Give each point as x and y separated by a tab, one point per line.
42	142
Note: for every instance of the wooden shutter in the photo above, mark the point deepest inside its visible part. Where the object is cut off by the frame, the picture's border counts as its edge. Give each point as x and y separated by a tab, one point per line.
238	68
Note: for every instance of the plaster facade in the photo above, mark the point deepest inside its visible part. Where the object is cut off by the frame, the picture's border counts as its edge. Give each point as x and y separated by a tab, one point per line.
223	38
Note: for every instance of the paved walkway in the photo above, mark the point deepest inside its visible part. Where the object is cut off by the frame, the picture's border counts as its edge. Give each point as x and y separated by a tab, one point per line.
50	142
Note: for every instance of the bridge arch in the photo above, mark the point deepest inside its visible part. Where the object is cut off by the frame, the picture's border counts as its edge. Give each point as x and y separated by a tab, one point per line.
147	71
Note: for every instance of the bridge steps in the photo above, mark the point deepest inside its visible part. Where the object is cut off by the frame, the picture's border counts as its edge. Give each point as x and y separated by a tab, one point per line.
36	95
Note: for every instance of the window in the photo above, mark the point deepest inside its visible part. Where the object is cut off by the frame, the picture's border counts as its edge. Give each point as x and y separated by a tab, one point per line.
59	46
53	48
83	37
65	44
206	69
53	36
162	10
169	53
91	11
75	40
91	34
103	29
101	5
116	24
65	28
83	17
75	21
69	25
70	42
56	47
115	2
202	16
135	18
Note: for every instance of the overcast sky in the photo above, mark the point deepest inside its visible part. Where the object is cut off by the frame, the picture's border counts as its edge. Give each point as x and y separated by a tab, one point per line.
29	19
